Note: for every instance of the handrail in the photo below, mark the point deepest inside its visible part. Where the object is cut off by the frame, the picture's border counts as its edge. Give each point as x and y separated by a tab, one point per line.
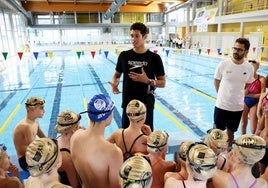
246	6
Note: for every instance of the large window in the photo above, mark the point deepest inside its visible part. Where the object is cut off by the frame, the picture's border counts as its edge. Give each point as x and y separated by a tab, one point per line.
12	30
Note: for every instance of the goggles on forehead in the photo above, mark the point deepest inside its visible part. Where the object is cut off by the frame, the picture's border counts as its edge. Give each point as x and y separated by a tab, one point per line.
143	181
252	61
135	114
157	147
251	146
3	147
35	102
198	167
68	124
95	112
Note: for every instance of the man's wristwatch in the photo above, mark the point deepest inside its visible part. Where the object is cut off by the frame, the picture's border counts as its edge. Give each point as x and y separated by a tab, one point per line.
149	82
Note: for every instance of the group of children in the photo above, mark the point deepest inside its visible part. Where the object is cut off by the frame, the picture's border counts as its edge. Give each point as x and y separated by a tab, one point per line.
130	157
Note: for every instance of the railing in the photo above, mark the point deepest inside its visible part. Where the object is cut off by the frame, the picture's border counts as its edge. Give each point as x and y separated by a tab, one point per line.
244	6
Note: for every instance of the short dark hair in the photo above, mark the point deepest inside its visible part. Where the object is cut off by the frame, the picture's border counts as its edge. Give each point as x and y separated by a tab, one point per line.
141	27
243	41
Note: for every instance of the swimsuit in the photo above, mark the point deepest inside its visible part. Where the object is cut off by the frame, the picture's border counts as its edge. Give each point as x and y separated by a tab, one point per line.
264	100
183	184
23	163
181	176
128	153
264	160
250	101
255	87
223	164
155	174
63	175
236	183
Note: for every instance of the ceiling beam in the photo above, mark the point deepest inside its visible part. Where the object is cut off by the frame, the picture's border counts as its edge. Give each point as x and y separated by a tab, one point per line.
34	6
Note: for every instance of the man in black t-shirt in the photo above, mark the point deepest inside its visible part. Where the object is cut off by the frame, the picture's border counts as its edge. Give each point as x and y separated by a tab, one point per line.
142	71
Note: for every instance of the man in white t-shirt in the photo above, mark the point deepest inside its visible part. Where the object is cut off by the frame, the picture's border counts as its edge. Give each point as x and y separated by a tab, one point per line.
231	78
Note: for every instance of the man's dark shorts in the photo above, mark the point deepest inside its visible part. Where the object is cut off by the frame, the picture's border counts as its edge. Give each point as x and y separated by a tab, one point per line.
227	119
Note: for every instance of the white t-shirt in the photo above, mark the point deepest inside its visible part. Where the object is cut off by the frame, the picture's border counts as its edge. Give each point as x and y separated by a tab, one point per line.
233	78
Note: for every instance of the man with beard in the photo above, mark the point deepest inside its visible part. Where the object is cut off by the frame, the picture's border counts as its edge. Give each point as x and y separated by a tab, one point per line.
231	78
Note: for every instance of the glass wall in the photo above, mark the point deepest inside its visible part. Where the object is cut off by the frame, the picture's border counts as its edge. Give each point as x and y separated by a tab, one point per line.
13	32
88	36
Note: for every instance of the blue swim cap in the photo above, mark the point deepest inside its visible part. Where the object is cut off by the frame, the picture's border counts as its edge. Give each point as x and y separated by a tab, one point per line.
100	107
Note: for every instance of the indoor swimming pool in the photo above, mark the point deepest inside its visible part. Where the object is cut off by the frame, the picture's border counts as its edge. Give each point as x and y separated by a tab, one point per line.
184	108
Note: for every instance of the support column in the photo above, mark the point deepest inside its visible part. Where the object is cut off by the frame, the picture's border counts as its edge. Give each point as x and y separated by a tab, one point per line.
188	41
220	5
60	34
242	29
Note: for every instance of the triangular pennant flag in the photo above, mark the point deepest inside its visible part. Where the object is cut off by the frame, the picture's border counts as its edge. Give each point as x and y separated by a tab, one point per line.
78	54
262	49
227	50
254	49
208	50
20	54
118	52
167	52
199	51
106	53
5	55
35	55
93	54
50	54
219	51
155	51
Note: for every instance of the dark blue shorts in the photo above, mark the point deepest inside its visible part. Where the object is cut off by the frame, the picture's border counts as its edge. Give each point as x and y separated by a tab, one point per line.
264	160
249	101
23	164
227	119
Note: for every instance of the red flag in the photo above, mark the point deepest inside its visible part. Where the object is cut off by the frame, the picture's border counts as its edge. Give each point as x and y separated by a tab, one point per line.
20	54
208	51
93	54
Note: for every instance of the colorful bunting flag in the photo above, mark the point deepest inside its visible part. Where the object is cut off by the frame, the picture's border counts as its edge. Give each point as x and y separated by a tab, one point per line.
35	55
50	54
167	52
199	51
5	55
78	54
106	53
93	54
20	54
